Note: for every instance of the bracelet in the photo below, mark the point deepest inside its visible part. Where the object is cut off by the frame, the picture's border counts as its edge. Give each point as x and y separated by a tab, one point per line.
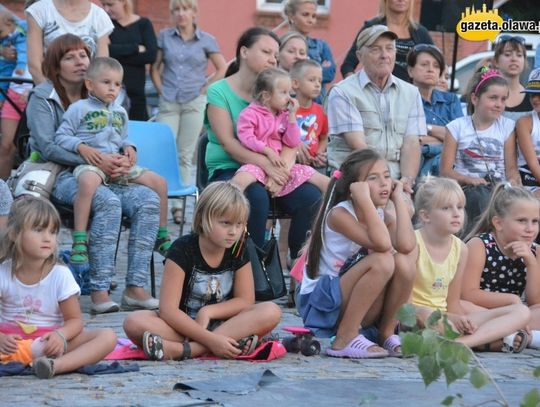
61	335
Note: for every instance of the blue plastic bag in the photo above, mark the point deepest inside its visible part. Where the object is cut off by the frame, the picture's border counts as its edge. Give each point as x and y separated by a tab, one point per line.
81	272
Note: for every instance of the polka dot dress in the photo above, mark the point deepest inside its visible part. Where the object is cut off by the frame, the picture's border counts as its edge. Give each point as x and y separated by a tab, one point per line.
501	273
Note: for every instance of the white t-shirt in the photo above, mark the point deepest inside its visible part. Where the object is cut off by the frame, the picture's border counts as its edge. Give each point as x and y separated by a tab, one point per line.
336	249
482	149
94	26
535	138
35	304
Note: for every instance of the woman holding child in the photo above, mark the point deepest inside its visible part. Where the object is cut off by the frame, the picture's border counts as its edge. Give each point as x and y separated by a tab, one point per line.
257	49
65	65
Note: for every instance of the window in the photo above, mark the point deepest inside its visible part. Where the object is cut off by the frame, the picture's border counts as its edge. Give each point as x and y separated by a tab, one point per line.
277	5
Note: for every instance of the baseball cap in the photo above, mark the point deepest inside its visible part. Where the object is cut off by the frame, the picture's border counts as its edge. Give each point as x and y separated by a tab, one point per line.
368	36
533	86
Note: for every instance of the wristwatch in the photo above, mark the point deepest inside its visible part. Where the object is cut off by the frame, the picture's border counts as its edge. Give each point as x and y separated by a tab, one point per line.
429	129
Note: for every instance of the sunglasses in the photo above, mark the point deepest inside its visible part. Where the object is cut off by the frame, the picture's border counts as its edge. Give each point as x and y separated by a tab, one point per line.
425	47
510	38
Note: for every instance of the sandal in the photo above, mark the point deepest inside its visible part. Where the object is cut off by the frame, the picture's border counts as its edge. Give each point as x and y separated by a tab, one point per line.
153	346
391	344
248	344
508	342
79	253
43	367
358	348
162	245
177	215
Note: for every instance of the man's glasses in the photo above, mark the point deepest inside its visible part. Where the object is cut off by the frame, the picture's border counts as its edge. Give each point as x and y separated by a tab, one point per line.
510	38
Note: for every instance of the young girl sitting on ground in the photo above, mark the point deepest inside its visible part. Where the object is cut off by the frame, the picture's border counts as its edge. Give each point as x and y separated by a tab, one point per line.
503	264
441	258
268	123
39	308
479	150
359	270
207	294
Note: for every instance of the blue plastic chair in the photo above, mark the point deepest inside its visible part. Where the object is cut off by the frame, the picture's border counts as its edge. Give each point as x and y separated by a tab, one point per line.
156	150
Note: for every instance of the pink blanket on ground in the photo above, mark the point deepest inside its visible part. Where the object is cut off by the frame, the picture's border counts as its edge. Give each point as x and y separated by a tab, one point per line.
125	349
265	352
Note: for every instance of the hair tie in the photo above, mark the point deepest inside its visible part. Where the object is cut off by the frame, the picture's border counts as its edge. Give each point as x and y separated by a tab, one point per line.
486	74
507	185
337	174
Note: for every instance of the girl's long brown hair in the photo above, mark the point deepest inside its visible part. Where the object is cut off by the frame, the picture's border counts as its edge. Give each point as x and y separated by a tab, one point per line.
51	63
27	213
357	163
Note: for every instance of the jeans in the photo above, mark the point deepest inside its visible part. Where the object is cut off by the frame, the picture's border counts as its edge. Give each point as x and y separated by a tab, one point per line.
302	204
430	159
140	204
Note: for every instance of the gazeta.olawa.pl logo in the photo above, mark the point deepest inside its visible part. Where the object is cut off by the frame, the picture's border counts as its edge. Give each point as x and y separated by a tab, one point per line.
481	25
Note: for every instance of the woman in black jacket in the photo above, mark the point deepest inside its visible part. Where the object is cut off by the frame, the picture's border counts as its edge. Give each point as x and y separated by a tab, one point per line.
397	16
133	44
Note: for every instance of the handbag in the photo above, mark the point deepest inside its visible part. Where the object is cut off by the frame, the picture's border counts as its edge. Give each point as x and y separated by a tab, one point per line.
34	178
266	268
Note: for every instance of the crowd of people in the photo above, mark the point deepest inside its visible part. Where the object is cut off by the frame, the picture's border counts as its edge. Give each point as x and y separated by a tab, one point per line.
353	175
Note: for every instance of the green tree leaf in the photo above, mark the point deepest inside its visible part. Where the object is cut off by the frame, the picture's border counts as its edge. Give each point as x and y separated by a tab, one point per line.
429	369
448	401
478	378
411	343
454	371
536	372
430	343
449	332
434	319
531	399
407	315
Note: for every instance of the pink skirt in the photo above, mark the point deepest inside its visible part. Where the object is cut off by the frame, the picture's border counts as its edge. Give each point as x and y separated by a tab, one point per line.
14	329
298	174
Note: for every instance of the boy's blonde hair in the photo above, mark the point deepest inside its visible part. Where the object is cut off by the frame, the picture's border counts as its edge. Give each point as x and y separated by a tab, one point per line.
433	192
291	7
183	3
219	199
99	64
27	213
298	70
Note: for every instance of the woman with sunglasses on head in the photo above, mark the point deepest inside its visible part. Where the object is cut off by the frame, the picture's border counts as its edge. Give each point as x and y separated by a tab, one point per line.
510	58
425	65
397	15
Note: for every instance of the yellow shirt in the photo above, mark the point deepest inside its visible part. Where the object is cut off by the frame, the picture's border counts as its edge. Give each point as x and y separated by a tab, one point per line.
432	279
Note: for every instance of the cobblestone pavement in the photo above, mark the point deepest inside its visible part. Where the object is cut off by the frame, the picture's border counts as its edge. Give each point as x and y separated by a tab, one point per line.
315	381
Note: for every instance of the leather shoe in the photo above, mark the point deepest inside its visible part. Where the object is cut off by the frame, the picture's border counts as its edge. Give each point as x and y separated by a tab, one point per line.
132	303
104	307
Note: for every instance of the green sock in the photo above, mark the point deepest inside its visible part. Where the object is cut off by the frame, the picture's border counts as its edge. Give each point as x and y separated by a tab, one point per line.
162	232
79	236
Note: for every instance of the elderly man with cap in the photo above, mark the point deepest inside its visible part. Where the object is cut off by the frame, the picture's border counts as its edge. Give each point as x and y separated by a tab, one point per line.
375	109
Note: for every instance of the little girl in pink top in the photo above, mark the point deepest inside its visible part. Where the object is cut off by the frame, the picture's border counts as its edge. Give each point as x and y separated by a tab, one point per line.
266	125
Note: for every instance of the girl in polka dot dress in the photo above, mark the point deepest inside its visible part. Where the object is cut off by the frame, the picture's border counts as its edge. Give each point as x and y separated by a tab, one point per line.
503	266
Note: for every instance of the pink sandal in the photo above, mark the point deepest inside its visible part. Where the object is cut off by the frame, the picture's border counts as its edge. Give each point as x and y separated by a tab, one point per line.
358	348
391	344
